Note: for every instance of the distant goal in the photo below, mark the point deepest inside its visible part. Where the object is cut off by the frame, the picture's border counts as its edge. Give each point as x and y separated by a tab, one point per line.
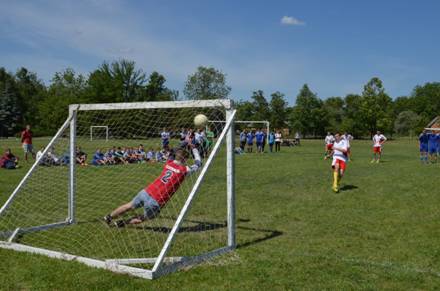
98	132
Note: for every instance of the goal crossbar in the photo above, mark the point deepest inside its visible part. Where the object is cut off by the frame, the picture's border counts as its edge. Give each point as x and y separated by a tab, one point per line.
121	265
267	123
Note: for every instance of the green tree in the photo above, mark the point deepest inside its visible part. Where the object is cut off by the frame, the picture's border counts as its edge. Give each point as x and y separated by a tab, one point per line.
308	115
376	107
116	82
352	121
245	110
206	83
31	92
9	112
155	90
407	122
425	101
334	109
66	88
261	106
278	110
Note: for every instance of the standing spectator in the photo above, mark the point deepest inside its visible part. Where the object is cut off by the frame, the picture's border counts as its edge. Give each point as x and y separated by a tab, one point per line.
423	140
259	137
278	141
209	139
243	135
165	136
250	141
26	140
271	140
264	138
8	160
297	138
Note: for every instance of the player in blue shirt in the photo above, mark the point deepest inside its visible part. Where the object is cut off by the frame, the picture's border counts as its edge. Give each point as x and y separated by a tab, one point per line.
432	147
271	140
250	141
165	136
259	137
98	158
423	145
243	134
438	144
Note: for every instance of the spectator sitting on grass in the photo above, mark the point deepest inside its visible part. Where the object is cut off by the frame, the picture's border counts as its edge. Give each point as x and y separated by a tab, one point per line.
98	158
81	157
109	157
8	160
150	155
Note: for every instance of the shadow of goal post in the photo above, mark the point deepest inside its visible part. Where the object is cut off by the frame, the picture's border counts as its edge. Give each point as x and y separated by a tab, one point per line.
122	265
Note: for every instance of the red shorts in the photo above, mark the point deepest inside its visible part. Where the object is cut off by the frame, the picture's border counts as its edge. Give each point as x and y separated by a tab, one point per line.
341	163
377	150
329	147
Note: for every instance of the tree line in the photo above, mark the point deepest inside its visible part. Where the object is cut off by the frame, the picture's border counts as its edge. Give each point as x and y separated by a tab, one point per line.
26	99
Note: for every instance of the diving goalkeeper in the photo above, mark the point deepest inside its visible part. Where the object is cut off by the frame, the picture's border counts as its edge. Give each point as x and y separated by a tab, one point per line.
159	192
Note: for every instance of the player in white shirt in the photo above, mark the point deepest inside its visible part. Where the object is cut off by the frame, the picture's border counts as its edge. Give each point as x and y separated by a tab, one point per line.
378	140
339	162
348	138
329	140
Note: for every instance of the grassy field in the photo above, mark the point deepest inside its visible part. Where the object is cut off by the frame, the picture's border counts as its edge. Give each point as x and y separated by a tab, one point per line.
380	232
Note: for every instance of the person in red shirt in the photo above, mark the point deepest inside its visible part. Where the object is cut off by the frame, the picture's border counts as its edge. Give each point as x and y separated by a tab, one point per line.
26	140
156	195
8	160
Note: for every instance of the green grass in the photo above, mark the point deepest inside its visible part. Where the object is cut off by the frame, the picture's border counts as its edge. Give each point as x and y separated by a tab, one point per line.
293	232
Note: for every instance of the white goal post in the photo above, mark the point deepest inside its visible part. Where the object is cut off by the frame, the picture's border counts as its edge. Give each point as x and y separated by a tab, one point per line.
26	231
99	126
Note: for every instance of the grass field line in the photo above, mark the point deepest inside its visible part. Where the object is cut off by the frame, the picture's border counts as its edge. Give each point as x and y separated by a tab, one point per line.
369	263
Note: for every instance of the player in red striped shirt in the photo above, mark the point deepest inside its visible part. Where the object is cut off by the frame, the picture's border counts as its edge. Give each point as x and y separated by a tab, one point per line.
156	195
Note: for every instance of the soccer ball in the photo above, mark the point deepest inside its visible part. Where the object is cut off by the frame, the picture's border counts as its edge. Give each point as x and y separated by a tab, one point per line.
200	120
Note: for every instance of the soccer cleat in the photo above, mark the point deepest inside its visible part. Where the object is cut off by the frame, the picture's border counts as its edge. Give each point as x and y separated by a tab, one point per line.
372	161
119	223
108	219
377	162
335	189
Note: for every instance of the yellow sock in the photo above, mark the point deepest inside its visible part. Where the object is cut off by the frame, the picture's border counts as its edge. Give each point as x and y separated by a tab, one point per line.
335	179
339	179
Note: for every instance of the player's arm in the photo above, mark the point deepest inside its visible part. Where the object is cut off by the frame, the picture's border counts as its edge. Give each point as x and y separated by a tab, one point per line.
197	162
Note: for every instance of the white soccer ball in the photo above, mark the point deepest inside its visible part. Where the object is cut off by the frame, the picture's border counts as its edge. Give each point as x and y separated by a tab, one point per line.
200	120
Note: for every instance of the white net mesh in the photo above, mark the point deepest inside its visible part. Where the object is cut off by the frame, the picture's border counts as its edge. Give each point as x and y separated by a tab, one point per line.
134	155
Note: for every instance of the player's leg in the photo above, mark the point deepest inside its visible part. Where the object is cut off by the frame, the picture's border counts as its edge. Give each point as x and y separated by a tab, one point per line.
25	149
335	167
151	210
137	201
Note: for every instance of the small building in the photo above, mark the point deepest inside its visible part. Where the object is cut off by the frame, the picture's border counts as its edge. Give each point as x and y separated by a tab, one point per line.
434	124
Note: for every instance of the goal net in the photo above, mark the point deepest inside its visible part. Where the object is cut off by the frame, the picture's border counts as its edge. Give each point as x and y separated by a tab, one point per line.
58	210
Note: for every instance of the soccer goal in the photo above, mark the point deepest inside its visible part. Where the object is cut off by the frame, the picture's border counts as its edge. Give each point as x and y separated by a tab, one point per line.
58	211
102	132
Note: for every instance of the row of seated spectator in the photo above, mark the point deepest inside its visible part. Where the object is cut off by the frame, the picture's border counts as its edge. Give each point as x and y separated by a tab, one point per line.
128	155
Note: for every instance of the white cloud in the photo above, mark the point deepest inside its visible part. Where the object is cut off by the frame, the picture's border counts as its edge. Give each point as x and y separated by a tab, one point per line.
290	20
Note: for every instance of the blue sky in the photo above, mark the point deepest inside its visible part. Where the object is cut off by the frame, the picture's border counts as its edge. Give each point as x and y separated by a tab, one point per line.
334	46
